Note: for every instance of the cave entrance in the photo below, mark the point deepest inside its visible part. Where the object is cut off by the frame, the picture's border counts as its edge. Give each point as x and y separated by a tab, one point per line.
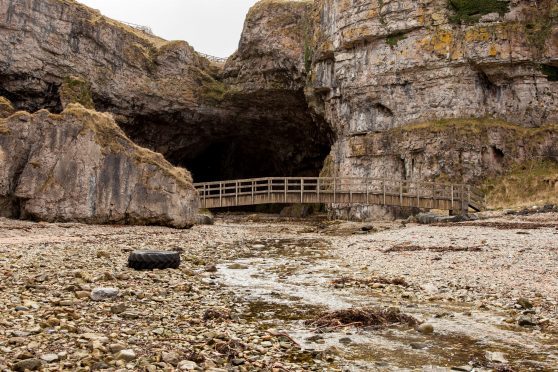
242	157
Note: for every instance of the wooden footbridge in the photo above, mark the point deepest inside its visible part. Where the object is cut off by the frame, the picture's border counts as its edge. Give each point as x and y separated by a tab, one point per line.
305	190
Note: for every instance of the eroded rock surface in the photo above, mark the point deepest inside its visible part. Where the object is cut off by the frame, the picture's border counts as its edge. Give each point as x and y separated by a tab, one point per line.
79	166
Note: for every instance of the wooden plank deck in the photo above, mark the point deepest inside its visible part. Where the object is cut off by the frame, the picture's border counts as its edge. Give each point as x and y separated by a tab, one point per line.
314	190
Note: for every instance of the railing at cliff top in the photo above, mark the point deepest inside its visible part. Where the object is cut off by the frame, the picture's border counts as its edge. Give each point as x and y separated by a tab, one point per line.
145	29
213	58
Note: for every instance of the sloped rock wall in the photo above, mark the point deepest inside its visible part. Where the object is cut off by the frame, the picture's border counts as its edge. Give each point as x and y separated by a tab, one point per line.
79	166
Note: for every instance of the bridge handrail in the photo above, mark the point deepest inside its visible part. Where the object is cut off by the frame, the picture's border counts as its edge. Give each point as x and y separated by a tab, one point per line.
463	194
367	179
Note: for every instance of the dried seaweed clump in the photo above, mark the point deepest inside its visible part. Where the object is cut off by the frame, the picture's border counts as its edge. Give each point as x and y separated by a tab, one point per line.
365	317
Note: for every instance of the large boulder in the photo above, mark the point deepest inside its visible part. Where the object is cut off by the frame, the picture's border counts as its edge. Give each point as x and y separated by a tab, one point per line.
79	166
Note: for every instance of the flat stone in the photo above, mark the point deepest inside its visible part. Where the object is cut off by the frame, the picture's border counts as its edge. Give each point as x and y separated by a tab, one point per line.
100	294
32	364
49	358
187	365
126	355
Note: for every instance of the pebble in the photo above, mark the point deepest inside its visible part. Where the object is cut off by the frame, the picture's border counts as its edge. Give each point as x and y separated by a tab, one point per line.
126	355
426	328
118	309
49	358
100	294
82	294
187	365
525	303
526	321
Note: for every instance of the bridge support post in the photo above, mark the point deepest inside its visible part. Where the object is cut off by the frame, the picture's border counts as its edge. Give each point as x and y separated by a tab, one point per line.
220	194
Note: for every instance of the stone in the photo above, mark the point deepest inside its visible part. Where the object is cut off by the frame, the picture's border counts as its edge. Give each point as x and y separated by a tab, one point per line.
118	309
525	303
91	144
126	355
115	348
496	356
49	358
82	294
170	357
187	365
21	308
526	321
211	268
100	294
418	345
426	328
31	364
237	266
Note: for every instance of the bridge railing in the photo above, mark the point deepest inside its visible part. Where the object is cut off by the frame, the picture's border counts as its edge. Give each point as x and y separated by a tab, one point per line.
287	189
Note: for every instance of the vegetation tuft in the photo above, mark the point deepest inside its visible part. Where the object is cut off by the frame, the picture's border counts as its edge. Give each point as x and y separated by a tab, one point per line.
470	11
393	40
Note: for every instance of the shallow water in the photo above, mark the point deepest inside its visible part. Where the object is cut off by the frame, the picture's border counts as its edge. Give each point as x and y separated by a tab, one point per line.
286	282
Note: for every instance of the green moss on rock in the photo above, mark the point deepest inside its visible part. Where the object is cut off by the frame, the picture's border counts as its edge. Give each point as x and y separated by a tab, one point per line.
470	11
76	90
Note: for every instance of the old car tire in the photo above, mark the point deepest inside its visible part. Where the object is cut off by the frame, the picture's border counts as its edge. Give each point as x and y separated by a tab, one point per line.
149	260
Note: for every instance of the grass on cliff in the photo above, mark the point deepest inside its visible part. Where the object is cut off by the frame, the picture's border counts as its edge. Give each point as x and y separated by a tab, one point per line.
470	11
3	127
111	138
530	183
465	126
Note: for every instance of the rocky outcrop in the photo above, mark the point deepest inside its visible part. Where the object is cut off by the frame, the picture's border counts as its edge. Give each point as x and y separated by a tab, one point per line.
79	166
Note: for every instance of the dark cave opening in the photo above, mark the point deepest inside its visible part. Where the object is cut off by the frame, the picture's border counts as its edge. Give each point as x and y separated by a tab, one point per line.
269	136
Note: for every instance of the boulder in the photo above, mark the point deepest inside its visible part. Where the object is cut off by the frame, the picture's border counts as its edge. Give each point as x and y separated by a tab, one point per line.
79	166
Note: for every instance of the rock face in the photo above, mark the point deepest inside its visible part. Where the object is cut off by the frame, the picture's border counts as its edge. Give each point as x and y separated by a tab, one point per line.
79	166
391	76
385	87
164	95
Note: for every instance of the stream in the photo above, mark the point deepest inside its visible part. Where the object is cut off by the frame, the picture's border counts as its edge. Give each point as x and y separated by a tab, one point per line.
288	282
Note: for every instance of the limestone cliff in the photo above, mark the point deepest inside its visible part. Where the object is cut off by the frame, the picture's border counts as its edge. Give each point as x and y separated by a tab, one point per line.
79	166
380	65
457	90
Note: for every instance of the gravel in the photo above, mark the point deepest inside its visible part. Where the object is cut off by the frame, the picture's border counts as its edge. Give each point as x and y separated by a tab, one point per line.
50	275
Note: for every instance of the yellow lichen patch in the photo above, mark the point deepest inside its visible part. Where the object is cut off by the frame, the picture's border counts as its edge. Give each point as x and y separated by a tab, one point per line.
355	34
477	34
440	42
493	51
357	146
